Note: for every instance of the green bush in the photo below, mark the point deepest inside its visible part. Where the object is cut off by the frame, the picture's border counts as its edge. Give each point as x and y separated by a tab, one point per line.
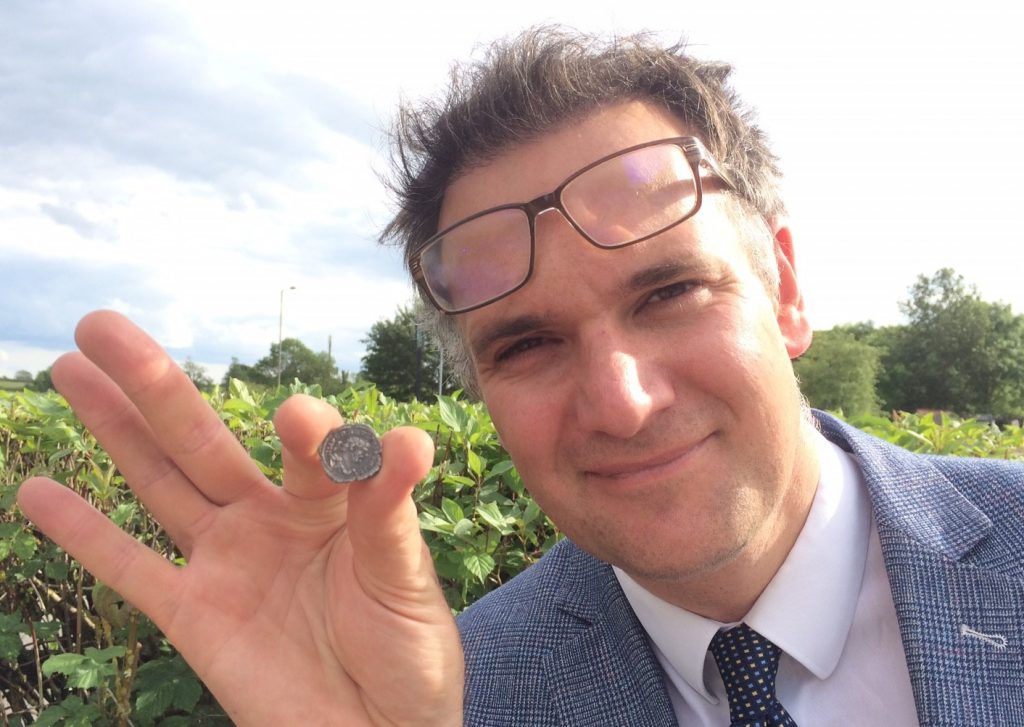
72	652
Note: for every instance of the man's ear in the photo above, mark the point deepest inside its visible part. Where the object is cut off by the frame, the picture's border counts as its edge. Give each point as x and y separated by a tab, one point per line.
790	313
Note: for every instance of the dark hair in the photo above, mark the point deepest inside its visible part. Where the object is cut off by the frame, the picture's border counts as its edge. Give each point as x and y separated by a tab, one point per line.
539	80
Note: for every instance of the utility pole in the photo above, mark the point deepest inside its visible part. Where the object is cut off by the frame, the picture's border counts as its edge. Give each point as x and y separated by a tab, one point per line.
419	359
330	360
280	334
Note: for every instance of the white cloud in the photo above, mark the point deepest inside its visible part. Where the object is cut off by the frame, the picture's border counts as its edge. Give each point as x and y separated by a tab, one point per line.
16	356
186	161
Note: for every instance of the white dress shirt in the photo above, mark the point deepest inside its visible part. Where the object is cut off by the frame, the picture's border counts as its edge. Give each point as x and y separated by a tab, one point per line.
829	608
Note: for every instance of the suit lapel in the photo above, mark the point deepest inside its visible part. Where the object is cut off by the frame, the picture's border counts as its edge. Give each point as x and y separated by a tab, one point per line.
962	633
605	673
961	623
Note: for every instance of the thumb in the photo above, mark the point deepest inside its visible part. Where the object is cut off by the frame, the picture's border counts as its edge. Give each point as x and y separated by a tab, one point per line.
382	523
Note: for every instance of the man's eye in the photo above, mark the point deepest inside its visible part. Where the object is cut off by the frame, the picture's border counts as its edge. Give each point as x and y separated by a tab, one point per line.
519	347
672	291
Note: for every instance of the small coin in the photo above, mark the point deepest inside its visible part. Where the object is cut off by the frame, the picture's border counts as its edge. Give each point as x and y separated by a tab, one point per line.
349	453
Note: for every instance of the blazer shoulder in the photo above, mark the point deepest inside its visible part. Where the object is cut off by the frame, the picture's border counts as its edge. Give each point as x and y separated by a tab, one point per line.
971	505
996	488
533	598
559	644
509	635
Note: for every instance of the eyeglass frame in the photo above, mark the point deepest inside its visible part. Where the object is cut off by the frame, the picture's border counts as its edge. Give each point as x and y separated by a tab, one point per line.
697	156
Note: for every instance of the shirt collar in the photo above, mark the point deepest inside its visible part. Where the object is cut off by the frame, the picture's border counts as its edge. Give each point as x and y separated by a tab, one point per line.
806	609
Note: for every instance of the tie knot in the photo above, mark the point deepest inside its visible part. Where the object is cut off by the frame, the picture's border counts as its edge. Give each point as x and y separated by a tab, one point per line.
748	663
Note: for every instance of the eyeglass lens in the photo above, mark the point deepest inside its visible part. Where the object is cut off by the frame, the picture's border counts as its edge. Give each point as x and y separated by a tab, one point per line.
623	199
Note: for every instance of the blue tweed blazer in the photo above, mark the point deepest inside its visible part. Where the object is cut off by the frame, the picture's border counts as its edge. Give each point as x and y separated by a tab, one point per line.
560	645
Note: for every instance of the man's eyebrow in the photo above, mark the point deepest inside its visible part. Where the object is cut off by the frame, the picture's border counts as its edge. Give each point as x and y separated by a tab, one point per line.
666	271
507	328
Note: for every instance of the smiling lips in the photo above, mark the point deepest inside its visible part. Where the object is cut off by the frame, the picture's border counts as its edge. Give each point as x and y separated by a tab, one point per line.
658	466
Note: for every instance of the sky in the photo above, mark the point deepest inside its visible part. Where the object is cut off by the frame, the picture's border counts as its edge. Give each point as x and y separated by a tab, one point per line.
185	162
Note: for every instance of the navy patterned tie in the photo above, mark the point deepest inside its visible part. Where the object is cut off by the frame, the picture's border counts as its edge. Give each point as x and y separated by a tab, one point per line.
748	663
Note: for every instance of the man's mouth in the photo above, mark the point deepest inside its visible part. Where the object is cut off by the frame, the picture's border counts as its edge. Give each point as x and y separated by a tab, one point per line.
661	464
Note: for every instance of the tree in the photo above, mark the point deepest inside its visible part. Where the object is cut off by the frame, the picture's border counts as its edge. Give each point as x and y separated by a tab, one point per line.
297	361
240	371
43	380
840	370
401	361
197	374
957	353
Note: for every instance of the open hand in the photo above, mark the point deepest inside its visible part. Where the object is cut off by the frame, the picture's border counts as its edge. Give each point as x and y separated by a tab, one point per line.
311	603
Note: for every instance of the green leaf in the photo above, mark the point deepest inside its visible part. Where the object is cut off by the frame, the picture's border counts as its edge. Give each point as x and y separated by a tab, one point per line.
72	712
238	406
451	510
479	565
102	655
62	664
123	513
238	390
476	464
46	630
433	523
449	411
10	639
489	493
11	624
51	408
459	480
56	570
187	693
8	493
532	511
492	515
500	468
152	703
264	454
51	716
90	675
85	671
164	683
463	527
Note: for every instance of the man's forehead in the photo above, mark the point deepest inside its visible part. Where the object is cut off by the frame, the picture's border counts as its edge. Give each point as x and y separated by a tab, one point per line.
536	166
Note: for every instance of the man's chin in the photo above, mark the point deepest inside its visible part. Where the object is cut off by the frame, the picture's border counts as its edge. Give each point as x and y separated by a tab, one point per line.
654	568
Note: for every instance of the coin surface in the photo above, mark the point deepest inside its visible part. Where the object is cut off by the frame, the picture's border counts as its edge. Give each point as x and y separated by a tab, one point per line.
349	453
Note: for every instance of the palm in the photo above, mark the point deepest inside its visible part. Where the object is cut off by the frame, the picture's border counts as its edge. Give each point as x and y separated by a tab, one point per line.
307	603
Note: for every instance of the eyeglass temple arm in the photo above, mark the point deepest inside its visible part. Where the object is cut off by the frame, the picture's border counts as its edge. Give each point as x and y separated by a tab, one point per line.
698	155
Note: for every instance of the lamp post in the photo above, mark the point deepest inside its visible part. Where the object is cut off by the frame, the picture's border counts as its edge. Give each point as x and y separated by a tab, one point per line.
280	333
419	360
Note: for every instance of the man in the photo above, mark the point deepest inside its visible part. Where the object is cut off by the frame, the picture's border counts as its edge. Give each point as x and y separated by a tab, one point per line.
599	228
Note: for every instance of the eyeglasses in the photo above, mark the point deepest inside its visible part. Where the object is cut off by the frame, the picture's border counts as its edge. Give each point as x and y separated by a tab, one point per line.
619	200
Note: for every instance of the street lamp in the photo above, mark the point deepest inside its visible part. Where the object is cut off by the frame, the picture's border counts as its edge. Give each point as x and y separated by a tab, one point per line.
280	333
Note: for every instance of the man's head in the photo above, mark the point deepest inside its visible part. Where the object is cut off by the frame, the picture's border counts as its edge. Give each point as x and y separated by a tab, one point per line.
544	79
644	392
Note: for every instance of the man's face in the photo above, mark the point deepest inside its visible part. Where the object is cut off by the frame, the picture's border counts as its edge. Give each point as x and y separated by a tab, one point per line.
646	393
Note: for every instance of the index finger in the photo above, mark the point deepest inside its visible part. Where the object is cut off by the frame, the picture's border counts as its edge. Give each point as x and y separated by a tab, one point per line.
183	424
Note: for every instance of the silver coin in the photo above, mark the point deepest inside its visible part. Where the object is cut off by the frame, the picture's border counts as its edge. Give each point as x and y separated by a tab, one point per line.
350	453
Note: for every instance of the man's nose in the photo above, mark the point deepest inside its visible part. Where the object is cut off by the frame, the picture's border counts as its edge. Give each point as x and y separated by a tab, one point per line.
619	391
